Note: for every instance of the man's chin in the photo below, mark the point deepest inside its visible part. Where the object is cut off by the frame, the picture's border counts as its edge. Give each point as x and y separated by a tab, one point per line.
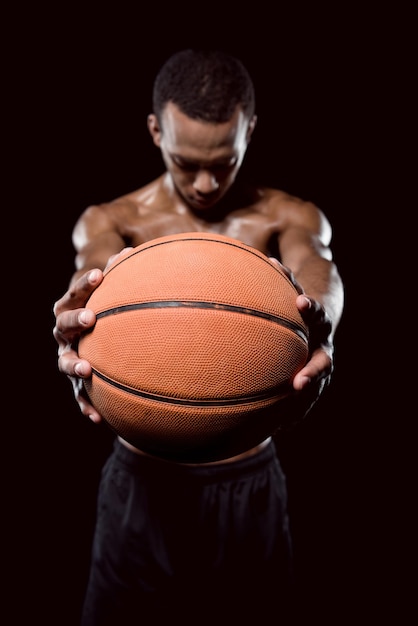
202	205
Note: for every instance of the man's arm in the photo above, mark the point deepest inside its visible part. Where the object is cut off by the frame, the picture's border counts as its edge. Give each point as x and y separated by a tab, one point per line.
304	246
95	239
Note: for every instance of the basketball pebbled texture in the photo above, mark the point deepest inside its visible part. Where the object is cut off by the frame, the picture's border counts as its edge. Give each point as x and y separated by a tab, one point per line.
196	344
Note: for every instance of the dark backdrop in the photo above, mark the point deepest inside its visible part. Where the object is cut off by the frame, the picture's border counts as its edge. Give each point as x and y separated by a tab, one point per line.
83	91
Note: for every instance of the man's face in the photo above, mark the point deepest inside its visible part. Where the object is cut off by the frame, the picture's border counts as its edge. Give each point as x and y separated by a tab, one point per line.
202	158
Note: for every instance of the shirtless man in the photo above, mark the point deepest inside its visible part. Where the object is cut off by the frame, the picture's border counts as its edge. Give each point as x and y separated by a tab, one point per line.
162	552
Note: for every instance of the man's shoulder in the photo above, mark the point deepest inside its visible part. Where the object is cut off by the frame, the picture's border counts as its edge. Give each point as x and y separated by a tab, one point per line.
141	195
133	200
274	199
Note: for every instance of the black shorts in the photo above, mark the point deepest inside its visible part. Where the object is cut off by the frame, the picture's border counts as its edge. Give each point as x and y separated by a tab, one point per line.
198	544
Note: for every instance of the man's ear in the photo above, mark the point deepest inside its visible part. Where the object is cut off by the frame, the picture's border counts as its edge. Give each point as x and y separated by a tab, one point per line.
251	126
154	129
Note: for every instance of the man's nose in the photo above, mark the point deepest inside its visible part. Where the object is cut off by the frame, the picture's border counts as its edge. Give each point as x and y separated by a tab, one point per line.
205	182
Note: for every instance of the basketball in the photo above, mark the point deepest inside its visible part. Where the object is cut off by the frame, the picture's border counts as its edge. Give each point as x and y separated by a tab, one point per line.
195	347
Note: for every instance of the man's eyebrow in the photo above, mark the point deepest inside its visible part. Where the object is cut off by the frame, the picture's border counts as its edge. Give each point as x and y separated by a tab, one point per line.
221	161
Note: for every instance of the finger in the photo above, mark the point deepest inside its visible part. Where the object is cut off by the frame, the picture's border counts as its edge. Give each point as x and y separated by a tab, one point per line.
275	262
69	363
78	294
116	256
319	366
288	273
86	408
70	324
304	303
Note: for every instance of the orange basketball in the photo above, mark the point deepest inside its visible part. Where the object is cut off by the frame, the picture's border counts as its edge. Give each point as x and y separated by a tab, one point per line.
196	344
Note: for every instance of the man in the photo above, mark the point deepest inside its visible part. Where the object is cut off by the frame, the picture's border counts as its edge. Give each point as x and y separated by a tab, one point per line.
206	540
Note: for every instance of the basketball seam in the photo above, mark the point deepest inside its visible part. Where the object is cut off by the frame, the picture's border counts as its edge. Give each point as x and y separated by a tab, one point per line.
198	304
277	391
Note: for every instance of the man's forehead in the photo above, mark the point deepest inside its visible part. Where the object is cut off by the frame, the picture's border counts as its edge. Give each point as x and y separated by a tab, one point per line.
182	131
196	159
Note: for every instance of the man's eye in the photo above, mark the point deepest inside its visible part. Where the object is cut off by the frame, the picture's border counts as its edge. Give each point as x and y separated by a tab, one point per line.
187	167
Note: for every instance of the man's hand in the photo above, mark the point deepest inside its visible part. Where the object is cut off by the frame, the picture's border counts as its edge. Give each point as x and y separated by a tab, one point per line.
320	364
71	320
312	379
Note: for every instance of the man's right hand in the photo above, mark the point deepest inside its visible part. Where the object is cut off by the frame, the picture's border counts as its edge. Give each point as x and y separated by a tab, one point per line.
71	320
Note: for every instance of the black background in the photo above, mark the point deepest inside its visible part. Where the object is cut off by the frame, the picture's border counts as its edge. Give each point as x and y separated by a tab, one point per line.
80	92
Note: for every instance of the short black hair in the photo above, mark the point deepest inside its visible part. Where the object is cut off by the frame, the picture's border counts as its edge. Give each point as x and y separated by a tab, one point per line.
206	85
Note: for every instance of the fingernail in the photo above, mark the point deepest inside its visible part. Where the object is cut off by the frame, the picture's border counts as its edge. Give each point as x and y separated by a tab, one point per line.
83	318
78	369
94	276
